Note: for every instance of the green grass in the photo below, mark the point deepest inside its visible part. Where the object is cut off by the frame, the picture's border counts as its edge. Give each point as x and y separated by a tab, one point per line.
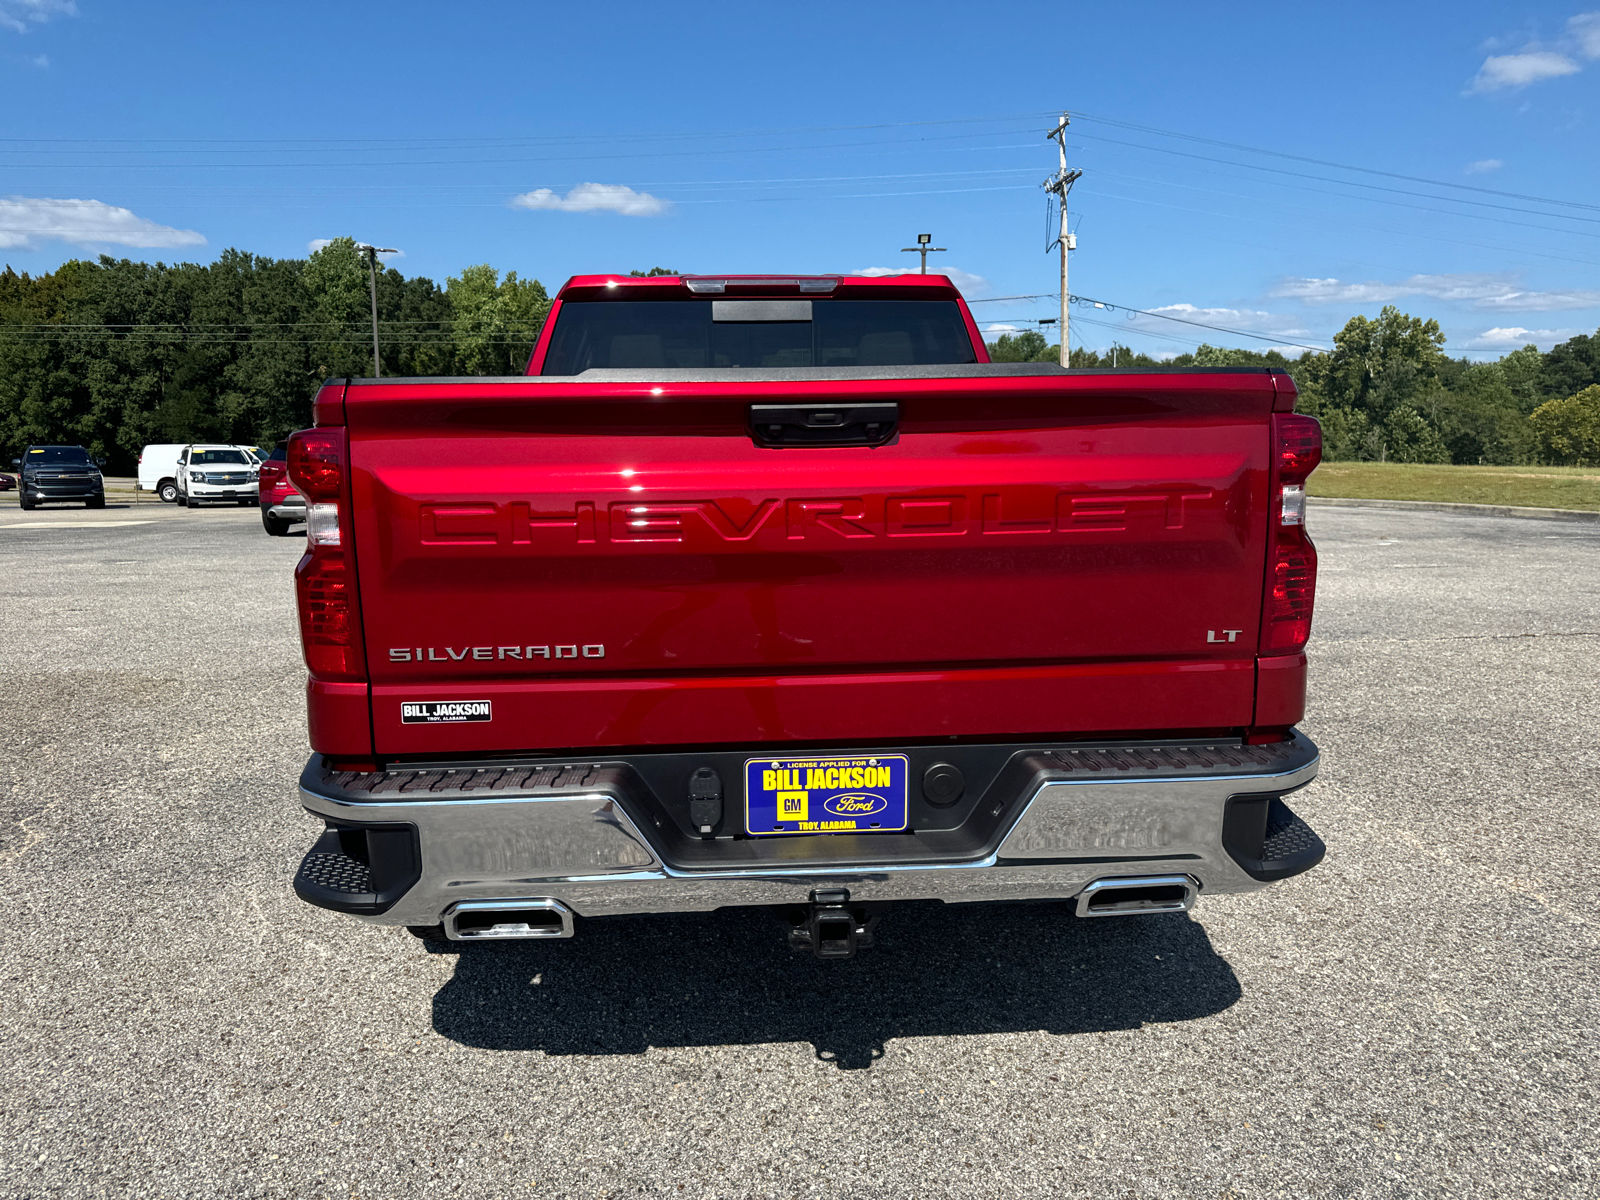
1525	487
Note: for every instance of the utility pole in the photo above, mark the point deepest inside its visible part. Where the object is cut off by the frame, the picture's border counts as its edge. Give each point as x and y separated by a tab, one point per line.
372	253
1059	185
923	249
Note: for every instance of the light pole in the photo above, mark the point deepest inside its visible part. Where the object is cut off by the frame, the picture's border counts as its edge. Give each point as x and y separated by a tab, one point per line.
923	249
372	253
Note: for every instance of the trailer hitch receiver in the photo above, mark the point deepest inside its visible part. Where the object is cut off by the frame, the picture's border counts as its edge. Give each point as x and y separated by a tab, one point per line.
832	927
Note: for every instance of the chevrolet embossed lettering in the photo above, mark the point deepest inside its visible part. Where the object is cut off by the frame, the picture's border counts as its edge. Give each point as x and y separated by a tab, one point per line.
826	795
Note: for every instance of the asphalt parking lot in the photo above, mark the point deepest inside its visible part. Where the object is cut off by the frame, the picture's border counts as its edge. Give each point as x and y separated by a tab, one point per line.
1417	1016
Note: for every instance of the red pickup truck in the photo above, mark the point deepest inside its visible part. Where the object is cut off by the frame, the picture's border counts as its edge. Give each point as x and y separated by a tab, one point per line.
774	591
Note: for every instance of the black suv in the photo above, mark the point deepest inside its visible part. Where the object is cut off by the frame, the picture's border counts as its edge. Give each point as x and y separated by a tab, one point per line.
52	473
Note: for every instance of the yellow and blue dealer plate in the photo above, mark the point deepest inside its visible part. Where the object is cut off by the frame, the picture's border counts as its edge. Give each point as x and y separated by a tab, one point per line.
826	795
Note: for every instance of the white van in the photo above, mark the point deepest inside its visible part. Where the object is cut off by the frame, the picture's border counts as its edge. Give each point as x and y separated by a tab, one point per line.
158	468
158	471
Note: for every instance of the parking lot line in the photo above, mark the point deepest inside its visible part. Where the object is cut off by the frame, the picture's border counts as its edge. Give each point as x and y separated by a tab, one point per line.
72	524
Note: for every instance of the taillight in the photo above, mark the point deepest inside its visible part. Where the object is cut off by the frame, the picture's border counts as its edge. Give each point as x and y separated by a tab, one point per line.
327	616
316	463
330	627
1299	446
1292	570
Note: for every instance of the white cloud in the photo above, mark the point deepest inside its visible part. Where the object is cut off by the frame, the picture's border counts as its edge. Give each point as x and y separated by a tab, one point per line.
1247	319
1500	71
966	281
595	197
997	330
1483	166
25	221
1514	336
1538	61
1584	29
19	15
1496	292
970	285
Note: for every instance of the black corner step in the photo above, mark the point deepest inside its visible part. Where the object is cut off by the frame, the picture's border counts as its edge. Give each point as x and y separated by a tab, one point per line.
359	869
1290	839
333	871
1268	840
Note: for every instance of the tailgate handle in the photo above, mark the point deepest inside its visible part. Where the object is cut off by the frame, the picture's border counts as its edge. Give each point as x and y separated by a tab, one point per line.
823	424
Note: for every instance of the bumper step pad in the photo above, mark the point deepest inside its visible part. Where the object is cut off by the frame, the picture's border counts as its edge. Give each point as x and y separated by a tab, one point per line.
1266	837
359	869
334	871
1289	839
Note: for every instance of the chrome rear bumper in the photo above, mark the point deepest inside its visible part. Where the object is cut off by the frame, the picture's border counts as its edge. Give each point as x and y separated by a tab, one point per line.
592	847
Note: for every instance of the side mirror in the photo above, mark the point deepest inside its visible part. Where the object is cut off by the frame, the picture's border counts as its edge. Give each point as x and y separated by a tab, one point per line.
99	461
16	464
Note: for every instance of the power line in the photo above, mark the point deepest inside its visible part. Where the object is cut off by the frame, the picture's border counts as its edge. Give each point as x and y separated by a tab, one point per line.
548	138
1320	162
346	163
1143	312
348	145
1343	222
1370	186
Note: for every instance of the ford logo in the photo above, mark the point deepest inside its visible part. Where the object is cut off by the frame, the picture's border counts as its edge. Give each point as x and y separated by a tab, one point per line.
854	804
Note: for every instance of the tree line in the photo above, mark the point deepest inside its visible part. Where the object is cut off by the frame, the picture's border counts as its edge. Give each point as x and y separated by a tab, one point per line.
113	354
1388	392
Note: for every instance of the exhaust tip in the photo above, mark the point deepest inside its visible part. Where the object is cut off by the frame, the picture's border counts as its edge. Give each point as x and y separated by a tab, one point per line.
498	920
1137	895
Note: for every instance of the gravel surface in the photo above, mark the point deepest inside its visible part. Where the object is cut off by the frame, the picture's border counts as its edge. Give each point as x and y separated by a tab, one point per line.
1417	1016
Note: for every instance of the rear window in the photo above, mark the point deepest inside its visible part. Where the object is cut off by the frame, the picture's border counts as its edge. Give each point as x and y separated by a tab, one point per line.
280	453
218	458
757	333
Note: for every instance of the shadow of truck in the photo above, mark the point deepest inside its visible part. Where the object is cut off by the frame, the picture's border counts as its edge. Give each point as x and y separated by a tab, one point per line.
628	983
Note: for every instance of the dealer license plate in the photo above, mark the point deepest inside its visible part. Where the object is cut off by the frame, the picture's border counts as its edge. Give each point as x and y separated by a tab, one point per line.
826	795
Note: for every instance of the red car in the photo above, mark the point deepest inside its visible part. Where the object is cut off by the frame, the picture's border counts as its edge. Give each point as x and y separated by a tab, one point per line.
281	505
7	483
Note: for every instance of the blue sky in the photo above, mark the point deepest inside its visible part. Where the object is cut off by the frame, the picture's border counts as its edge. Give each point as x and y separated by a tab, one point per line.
562	139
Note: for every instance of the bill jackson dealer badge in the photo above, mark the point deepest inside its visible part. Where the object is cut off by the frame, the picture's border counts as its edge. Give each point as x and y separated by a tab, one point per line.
826	795
444	712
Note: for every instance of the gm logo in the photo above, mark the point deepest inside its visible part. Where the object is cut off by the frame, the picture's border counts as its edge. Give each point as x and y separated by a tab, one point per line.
854	804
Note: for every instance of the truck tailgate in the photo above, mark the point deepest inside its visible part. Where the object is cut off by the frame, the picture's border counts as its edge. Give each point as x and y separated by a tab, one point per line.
617	563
